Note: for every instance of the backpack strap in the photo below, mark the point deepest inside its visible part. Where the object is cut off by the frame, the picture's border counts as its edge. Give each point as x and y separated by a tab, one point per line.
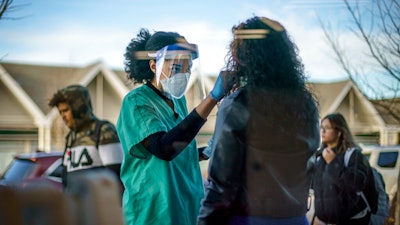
97	131
64	167
347	156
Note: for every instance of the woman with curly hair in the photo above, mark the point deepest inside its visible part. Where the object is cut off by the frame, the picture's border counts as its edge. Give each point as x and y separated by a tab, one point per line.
266	131
341	174
160	169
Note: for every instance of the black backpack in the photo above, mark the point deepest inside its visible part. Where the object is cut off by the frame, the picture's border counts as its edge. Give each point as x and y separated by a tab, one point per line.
382	209
375	193
371	193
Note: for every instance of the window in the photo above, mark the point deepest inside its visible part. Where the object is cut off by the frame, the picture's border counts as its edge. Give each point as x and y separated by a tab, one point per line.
388	159
57	172
18	170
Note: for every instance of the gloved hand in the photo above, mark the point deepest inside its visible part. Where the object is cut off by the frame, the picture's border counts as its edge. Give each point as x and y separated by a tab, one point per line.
220	88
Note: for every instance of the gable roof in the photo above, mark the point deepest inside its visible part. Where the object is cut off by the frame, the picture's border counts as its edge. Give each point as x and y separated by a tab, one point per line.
389	109
42	81
329	95
33	85
20	94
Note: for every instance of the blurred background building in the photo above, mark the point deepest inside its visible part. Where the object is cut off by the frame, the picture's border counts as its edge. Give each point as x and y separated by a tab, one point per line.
28	124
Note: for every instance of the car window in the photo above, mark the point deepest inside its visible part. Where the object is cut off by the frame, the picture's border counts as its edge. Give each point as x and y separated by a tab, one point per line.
18	170
388	159
57	172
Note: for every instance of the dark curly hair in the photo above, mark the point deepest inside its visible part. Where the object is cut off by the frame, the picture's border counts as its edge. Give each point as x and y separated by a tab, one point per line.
270	61
136	67
264	62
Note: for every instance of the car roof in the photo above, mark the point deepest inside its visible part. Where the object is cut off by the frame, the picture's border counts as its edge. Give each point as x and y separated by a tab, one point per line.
39	154
381	148
42	159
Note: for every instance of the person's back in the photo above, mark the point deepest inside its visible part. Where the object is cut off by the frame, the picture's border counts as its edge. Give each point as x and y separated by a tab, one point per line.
266	132
273	135
279	134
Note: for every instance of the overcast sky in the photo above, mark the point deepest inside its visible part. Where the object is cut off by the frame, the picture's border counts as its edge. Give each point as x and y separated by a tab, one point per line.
77	32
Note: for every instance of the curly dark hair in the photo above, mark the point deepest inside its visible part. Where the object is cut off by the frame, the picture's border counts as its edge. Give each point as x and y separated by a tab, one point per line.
264	62
269	61
137	68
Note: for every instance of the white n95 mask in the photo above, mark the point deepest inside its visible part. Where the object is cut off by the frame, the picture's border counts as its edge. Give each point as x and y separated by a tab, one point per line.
176	85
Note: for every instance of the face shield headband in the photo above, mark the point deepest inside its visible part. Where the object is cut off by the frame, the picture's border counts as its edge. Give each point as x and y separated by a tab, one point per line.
176	53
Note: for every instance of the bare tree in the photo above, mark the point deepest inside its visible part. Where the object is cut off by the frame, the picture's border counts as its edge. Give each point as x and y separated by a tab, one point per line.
376	25
7	7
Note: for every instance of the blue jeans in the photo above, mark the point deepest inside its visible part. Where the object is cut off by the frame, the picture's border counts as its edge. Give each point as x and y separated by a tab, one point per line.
252	220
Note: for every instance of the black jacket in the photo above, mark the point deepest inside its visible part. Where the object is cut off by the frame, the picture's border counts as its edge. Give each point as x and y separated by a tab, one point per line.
335	186
259	165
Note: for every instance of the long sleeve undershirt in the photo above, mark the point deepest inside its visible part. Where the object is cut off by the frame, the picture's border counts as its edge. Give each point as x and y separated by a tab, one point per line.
167	145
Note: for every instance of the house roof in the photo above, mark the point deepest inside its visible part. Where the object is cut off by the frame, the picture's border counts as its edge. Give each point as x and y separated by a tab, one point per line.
123	77
327	93
389	109
330	95
39	82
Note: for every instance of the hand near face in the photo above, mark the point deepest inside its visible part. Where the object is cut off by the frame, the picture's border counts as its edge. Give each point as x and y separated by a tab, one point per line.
328	154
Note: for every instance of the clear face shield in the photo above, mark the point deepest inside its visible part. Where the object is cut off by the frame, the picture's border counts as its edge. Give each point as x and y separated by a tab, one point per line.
174	63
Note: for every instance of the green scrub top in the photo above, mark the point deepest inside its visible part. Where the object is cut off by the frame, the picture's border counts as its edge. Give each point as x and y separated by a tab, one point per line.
156	191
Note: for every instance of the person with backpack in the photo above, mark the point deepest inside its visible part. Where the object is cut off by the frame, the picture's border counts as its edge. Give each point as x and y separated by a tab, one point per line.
342	174
91	143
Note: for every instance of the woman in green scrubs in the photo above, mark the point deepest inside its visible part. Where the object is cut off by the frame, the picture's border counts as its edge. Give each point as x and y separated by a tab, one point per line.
160	170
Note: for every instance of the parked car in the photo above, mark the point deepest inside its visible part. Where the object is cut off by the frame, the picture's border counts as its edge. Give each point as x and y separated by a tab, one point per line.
386	159
27	168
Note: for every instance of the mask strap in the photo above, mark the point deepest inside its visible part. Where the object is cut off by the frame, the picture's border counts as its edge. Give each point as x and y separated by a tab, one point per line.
160	63
162	73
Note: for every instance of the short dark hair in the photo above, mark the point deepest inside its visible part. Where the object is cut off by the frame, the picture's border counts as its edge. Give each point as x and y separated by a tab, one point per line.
76	96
